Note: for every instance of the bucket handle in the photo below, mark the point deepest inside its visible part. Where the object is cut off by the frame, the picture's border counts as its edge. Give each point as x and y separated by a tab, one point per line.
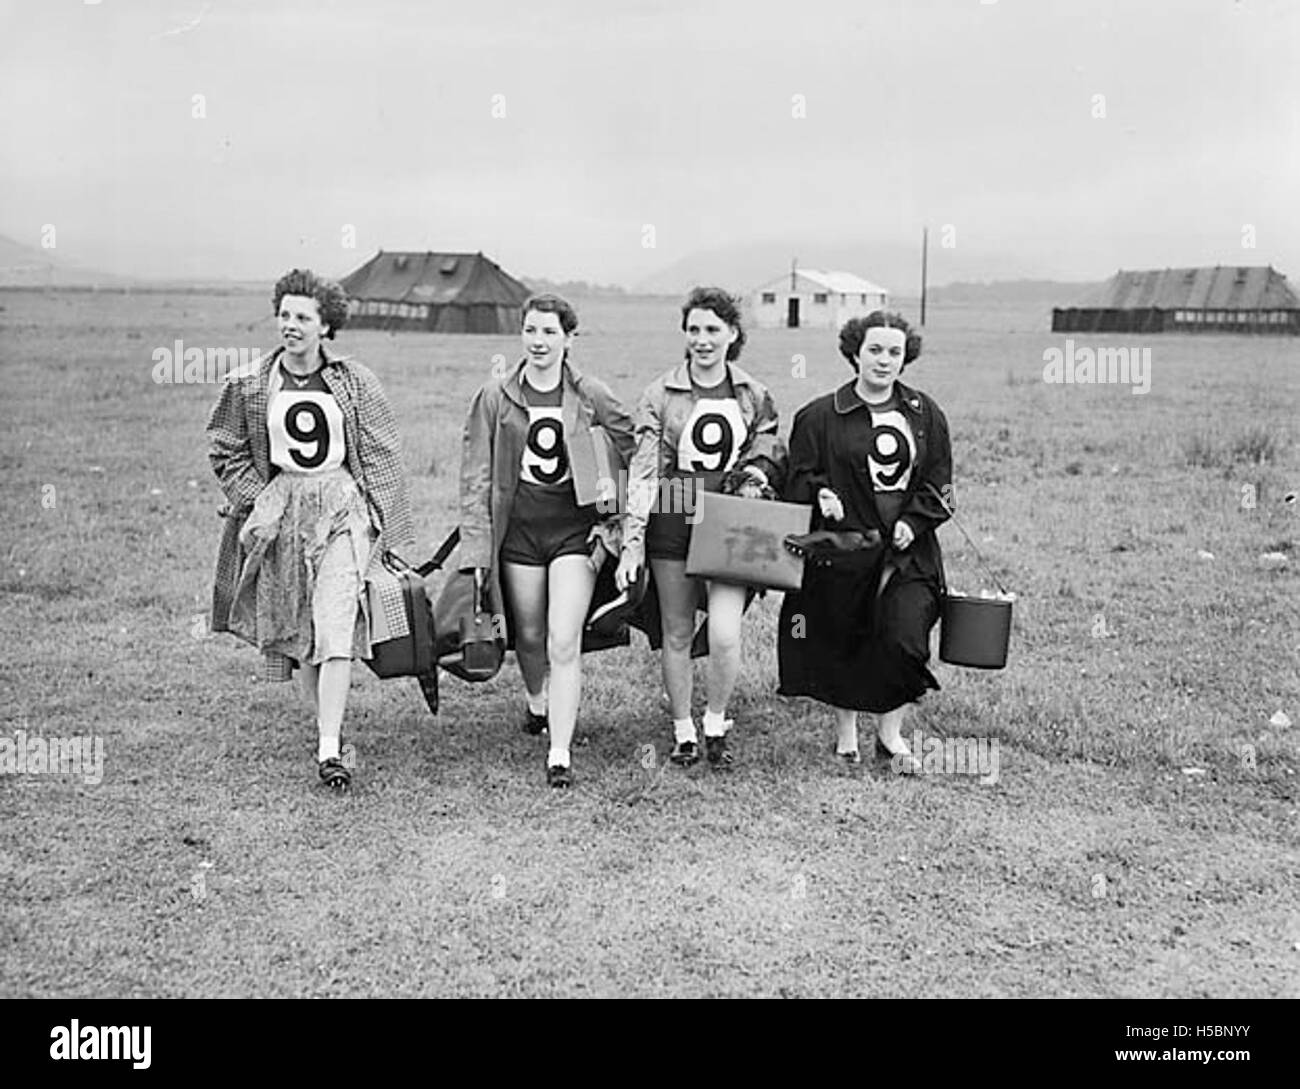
953	515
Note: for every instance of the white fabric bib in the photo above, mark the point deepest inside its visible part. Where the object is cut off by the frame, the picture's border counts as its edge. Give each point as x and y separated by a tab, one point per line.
712	436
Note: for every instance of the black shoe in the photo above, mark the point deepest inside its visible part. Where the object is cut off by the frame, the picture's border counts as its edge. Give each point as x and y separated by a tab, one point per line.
335	775
685	753
558	775
718	751
535	724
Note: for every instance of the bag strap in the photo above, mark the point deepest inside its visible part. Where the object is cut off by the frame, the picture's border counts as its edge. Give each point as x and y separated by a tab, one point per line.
970	540
440	557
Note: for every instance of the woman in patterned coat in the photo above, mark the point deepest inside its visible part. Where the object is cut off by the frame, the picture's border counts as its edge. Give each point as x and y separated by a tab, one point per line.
306	449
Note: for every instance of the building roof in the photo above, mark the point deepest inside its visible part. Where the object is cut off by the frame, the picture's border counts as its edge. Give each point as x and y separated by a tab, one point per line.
1223	287
435	278
839	283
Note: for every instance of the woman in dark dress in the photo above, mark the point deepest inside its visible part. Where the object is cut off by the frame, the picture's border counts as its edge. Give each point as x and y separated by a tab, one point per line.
870	457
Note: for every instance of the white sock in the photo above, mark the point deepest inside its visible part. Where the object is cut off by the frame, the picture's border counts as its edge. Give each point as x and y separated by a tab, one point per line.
536	704
557	758
714	724
847	740
684	730
328	748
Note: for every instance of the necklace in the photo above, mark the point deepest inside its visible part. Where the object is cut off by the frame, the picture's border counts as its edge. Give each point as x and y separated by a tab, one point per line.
299	382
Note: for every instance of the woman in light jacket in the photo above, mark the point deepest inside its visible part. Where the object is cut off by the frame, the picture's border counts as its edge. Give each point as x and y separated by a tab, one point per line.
306	449
704	420
544	446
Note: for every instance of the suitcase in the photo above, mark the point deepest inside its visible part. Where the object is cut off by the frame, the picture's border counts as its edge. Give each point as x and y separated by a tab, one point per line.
409	654
740	540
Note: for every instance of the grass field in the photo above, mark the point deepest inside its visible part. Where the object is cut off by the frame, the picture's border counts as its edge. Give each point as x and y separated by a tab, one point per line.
1141	838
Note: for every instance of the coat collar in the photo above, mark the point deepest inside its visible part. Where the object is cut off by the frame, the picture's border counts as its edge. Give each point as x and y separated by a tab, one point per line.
679	378
846	400
512	386
328	354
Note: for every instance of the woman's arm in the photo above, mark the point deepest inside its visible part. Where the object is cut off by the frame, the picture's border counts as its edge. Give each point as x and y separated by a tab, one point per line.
614	418
923	512
229	449
643	472
762	448
806	474
478	444
380	455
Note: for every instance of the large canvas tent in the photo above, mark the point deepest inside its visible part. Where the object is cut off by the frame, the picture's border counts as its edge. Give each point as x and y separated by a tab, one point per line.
1233	299
434	292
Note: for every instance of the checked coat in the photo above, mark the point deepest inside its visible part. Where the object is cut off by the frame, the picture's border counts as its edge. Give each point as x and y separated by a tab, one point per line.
239	450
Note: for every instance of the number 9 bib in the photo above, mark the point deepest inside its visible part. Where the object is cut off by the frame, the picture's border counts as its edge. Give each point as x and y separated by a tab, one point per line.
545	460
712	437
891	452
306	431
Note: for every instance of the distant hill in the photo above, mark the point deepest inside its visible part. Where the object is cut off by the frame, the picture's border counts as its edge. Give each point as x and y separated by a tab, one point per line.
30	266
1041	293
573	289
744	266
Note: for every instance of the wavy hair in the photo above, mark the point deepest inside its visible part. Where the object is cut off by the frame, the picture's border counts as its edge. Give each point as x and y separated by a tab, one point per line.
331	299
855	332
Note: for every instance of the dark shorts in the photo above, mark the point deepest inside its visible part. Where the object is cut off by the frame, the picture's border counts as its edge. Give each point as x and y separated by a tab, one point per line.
667	537
546	524
668	532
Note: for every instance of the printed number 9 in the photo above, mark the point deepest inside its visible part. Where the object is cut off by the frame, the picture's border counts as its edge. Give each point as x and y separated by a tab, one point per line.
889	451
318	435
549	454
721	446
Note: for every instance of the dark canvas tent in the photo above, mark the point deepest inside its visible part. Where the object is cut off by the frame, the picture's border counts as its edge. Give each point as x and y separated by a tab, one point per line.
1234	299
434	292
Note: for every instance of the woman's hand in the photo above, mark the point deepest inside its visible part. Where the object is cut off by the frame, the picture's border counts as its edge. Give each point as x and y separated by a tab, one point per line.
599	554
830	506
754	483
630	563
903	535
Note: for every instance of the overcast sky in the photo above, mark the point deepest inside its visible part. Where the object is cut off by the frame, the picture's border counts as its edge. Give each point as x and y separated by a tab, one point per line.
682	116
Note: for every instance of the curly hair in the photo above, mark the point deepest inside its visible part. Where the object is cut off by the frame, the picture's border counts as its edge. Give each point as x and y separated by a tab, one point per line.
855	332
725	305
331	299
548	303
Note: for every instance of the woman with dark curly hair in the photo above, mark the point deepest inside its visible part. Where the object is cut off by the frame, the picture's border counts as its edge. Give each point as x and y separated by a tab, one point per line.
306	449
701	421
870	456
533	515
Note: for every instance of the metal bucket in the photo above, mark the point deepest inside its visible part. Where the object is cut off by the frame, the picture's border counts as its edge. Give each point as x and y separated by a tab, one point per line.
975	631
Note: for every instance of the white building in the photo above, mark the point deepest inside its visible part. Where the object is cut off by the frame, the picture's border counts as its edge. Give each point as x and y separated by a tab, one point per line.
808	297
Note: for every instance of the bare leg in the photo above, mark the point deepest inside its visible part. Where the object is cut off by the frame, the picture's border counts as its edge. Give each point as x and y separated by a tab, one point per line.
726	609
525	587
570	584
891	729
846	730
335	679
677	607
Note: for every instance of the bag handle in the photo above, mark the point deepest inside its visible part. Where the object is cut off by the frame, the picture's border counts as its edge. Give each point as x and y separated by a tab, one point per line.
970	540
440	557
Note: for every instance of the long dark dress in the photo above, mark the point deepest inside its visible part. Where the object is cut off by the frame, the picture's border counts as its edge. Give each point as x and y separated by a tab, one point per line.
841	640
